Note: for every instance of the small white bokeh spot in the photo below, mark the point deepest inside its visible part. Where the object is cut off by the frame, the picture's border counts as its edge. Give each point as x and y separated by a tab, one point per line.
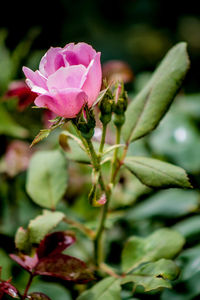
180	134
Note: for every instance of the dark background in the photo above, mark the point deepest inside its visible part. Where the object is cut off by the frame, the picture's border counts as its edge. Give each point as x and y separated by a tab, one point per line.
137	31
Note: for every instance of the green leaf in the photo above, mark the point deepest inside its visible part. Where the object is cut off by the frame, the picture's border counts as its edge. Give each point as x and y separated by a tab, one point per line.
172	203
5	63
22	239
190	105
76	153
189	228
37	229
189	261
47	178
5	265
163	243
43	224
109	149
53	290
108	288
127	193
9	127
153	275
157	174
64	138
178	139
44	133
150	105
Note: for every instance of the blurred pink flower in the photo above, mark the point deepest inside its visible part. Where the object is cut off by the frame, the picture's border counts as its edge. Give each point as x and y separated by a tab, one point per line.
67	78
20	90
117	71
17	157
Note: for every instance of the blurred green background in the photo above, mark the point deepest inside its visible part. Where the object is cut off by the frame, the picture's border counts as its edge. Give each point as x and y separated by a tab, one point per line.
138	32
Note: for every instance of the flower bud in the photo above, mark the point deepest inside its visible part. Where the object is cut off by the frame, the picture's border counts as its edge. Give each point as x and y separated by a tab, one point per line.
119	119
120	105
106	108
86	123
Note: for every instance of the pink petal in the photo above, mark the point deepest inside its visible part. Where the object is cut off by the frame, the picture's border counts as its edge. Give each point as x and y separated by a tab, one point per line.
69	77
80	53
66	103
52	61
35	80
92	83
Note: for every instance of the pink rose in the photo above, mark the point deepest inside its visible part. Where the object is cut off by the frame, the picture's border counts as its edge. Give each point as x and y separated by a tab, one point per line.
67	78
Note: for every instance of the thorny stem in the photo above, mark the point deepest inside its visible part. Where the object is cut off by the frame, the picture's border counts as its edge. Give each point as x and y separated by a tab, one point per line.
103	138
98	244
28	286
98	247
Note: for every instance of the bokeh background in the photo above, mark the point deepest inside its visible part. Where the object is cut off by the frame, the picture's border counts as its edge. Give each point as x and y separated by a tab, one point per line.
139	33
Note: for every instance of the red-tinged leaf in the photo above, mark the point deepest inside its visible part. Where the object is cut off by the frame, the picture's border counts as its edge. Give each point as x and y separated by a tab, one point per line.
26	262
38	296
55	243
7	288
64	267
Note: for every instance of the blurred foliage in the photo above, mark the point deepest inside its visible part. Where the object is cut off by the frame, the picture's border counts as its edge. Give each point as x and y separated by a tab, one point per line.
138	32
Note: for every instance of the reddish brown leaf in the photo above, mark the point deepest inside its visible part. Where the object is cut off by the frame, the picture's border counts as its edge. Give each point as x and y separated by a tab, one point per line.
64	267
7	288
55	243
38	296
26	262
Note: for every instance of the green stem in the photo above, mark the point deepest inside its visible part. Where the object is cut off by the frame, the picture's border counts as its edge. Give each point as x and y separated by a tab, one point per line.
94	157
80	136
115	156
98	245
103	139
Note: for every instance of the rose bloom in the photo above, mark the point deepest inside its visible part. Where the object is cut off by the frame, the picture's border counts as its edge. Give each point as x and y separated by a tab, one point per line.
67	79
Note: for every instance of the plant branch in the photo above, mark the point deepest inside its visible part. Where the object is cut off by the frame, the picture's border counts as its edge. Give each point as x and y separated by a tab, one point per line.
87	231
115	156
28	286
102	139
109	270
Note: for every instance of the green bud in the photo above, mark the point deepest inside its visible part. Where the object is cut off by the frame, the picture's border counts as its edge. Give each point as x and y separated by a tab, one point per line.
89	134
105	119
119	119
121	105
106	108
85	123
